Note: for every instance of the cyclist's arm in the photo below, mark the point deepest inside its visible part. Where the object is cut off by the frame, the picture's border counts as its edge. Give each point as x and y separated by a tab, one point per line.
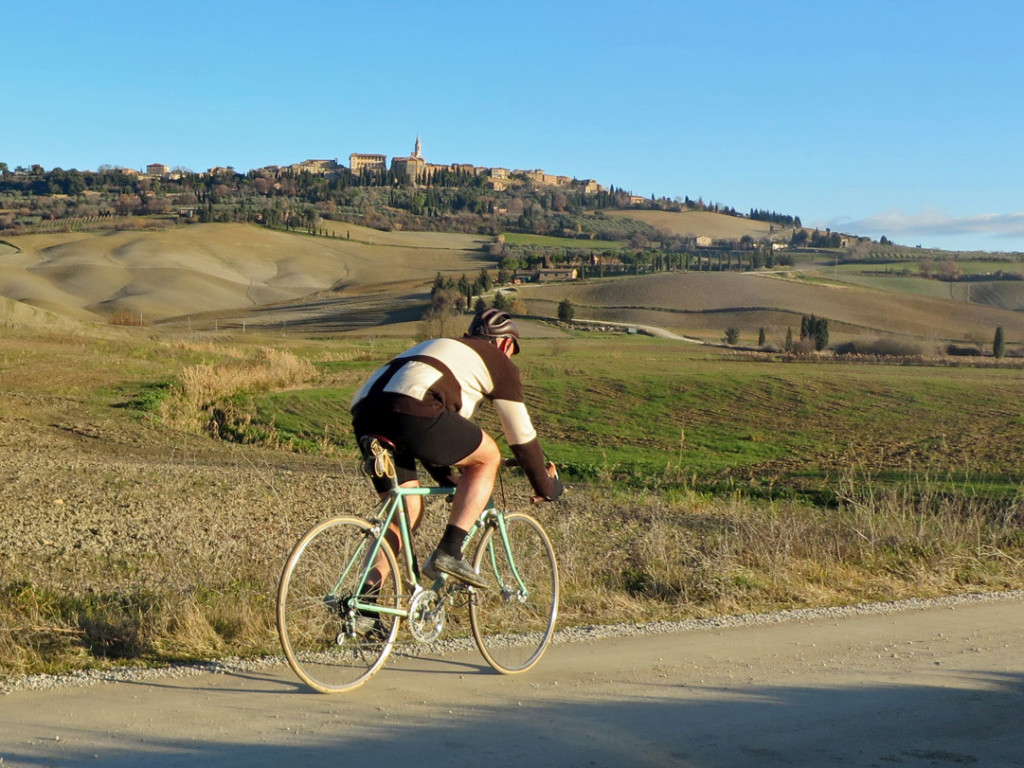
522	439
544	480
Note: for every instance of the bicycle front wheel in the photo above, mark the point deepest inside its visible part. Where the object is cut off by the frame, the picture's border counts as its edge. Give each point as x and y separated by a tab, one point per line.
329	645
514	620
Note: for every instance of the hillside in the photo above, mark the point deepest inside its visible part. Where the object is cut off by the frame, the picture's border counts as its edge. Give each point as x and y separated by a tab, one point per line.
17	313
212	267
208	276
704	304
699	223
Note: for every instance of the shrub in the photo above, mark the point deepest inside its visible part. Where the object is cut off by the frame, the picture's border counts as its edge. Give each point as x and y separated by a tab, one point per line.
958	351
124	317
879	348
205	393
565	311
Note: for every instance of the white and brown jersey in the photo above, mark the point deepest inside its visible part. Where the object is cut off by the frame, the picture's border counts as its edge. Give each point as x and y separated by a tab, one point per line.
455	375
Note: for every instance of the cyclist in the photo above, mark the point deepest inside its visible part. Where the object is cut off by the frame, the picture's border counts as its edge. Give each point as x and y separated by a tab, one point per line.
422	402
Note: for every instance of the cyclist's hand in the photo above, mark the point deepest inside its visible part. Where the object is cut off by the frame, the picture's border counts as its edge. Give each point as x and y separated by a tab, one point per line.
552	471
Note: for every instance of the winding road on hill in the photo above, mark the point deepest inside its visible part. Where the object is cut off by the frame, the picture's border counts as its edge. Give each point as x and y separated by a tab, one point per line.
939	685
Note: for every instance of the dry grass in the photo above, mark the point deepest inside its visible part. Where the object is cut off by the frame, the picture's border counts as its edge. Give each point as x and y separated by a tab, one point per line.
205	396
211	267
647	557
207	589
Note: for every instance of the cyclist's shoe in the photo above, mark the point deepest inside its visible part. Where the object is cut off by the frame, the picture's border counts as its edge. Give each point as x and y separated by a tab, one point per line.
439	562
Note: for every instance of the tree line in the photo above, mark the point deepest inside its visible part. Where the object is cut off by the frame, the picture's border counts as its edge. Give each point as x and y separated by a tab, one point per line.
449	200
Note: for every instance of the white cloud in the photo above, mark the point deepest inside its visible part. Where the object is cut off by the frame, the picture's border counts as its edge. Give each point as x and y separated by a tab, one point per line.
932	221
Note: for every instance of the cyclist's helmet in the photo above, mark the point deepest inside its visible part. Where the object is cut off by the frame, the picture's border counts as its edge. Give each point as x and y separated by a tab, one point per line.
493	323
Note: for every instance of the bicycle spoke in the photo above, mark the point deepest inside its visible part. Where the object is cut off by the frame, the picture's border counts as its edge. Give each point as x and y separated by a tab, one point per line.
513	621
331	647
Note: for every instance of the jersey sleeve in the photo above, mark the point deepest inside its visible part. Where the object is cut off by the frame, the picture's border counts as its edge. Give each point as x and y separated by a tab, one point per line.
531	459
522	439
506	394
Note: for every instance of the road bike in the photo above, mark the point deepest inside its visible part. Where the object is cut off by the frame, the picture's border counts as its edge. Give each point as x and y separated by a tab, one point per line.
336	634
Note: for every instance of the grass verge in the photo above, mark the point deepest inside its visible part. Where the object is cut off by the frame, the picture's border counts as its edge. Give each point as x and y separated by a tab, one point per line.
624	556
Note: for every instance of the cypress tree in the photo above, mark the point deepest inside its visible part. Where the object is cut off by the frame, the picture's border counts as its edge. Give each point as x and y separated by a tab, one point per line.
821	334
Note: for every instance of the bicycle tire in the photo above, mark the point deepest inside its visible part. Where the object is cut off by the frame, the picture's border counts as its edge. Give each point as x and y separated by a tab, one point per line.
513	628
321	574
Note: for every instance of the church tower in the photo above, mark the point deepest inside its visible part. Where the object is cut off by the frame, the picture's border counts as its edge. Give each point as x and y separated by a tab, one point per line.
418	152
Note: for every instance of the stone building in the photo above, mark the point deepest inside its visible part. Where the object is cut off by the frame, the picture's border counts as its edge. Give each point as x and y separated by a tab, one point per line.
411	169
315	166
357	163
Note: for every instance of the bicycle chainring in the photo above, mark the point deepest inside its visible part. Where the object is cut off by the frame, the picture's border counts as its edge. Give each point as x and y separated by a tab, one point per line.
426	616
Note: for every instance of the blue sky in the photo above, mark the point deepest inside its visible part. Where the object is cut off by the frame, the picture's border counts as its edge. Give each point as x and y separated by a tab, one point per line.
900	118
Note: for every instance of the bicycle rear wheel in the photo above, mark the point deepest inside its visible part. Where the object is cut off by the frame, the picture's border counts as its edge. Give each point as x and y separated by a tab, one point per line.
513	621
329	645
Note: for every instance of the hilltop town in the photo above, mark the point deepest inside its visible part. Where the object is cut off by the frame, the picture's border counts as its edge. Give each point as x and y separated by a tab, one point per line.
407	192
411	169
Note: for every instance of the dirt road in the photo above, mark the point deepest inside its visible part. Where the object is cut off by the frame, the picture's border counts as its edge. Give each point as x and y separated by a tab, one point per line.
943	686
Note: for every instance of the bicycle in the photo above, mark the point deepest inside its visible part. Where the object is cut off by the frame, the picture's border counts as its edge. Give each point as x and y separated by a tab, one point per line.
335	637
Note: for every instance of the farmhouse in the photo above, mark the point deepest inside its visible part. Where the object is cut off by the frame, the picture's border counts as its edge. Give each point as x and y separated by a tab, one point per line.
546	275
551	274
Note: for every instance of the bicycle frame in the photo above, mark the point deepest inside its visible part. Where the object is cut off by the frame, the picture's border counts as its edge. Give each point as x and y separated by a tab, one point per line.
492	516
394	504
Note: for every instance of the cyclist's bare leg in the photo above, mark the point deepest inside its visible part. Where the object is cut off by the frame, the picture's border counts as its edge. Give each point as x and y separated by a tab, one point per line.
476	483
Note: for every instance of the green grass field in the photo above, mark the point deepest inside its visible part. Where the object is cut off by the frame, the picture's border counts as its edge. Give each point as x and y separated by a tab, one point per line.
650	413
544	241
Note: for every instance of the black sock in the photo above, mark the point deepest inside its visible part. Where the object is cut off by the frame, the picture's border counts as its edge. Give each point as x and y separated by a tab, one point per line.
451	542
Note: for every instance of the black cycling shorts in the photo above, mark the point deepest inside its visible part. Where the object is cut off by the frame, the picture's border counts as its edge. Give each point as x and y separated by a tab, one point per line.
438	441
